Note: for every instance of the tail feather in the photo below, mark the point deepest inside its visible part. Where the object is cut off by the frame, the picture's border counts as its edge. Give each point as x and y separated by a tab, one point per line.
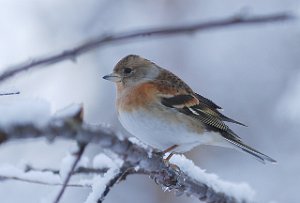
256	154
225	118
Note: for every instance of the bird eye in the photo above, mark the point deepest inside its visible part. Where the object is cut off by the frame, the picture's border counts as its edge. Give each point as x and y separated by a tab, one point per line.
127	70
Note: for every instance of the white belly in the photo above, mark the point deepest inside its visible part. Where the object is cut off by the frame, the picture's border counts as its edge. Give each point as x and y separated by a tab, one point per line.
160	133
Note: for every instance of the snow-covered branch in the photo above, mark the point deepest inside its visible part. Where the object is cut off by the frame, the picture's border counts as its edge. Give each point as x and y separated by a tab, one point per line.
46	176
105	39
78	170
77	157
136	158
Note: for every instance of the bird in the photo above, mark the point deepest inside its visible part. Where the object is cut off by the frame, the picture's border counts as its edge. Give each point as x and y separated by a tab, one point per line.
163	112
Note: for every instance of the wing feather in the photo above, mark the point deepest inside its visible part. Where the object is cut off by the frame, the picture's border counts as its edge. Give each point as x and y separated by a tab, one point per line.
204	110
207	101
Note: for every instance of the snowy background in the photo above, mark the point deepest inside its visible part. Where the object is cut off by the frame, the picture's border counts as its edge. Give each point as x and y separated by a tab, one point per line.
251	71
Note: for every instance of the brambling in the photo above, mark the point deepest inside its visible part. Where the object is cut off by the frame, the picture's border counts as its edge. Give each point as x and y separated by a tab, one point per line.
162	111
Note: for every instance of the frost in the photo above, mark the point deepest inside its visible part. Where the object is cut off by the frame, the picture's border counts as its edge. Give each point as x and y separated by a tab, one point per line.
102	161
67	163
120	135
25	111
11	171
84	162
68	111
85	182
150	153
100	183
66	166
134	140
105	125
241	191
137	168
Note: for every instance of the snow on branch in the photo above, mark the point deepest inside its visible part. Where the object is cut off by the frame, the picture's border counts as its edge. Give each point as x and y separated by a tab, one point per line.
42	177
105	39
136	159
78	170
71	167
47	176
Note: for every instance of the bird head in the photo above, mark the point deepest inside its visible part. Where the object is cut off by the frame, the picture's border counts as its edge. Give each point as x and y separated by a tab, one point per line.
132	70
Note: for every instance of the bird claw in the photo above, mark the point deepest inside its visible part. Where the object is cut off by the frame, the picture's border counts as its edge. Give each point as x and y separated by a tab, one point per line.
160	153
172	166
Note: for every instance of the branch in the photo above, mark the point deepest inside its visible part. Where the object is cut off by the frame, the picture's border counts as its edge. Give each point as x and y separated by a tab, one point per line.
202	186
43	177
102	184
111	183
79	170
34	175
78	156
9	93
102	40
2	178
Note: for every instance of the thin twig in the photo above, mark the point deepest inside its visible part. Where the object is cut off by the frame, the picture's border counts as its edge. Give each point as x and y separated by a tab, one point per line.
102	40
79	170
2	178
9	93
67	179
112	182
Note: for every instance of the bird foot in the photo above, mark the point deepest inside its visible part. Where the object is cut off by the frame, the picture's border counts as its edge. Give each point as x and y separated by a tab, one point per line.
172	166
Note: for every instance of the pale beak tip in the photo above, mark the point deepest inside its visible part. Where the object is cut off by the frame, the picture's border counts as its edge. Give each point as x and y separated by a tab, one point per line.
112	77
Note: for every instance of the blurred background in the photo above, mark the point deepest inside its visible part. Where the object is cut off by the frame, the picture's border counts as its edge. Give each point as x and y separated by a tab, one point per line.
251	71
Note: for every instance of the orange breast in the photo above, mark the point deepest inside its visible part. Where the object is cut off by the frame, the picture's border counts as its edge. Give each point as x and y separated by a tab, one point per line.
130	98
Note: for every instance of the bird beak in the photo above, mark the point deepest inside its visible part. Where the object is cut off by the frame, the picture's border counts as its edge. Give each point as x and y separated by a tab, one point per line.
113	77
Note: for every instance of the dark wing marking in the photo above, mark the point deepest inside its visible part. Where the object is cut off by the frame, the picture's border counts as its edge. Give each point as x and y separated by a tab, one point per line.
204	102
205	118
225	118
204	108
208	102
209	116
176	100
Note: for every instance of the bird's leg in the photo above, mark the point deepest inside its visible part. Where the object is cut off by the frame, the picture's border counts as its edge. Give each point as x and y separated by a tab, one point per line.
169	156
167	160
170	148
